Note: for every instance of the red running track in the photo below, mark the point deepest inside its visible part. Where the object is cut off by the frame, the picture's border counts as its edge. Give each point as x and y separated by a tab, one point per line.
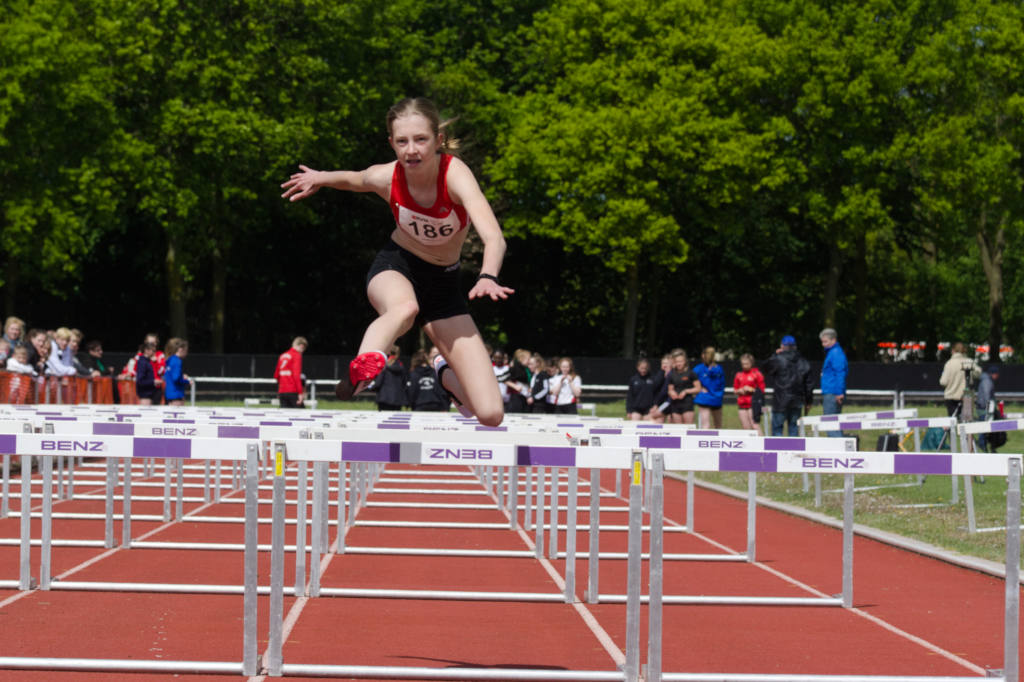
913	615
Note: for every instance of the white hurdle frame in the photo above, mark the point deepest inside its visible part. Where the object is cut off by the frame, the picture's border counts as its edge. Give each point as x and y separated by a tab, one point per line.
369	457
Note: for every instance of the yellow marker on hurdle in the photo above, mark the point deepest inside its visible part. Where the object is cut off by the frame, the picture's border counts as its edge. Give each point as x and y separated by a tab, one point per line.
637	471
278	463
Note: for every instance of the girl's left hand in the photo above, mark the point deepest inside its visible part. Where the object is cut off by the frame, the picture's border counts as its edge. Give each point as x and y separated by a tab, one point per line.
488	287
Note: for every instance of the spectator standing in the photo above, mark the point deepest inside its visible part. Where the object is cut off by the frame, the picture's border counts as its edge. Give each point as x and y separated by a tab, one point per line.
518	382
14	331
288	372
833	375
746	384
954	377
425	393
662	402
566	387
985	408
537	400
640	394
790	377
712	393
146	384
390	384
175	380
683	386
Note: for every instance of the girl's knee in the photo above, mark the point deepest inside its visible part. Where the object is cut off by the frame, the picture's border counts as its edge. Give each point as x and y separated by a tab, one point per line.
491	415
406	312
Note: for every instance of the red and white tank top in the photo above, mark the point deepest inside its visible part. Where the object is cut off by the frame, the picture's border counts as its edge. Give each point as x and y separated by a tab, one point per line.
429	226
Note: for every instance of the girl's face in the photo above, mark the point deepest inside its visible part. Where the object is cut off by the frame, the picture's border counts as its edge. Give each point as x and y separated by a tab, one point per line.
643	367
39	341
532	364
61	343
746	364
414	141
565	367
148	352
13	331
679	362
666	364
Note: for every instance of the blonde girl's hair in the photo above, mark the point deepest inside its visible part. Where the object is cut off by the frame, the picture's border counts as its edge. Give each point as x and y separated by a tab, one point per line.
62	333
572	367
428	110
173	345
14	320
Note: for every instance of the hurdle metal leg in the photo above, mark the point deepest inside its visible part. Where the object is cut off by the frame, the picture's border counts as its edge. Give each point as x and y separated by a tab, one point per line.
126	504
500	491
206	480
71	477
300	533
1011	638
539	524
339	548
250	652
276	635
655	567
108	527
46	464
25	556
691	486
594	521
751	516
5	505
848	541
216	482
553	515
179	506
528	505
632	668
513	486
167	490
316	530
570	540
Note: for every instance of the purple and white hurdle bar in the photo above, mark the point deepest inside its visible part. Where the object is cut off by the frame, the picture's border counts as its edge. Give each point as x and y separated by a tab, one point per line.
321	451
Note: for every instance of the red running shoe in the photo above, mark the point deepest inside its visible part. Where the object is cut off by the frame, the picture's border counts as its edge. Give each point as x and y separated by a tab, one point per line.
361	371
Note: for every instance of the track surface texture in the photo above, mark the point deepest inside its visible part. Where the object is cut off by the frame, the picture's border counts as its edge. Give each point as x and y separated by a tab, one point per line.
912	615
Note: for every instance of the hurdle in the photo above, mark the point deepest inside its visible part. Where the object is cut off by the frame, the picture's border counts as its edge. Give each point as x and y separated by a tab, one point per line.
967	431
637	461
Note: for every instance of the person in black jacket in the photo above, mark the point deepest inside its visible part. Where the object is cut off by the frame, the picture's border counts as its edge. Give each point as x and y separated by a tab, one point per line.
640	394
425	393
390	383
789	376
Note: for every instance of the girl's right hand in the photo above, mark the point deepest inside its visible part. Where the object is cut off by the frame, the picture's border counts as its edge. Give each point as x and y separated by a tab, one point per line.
301	185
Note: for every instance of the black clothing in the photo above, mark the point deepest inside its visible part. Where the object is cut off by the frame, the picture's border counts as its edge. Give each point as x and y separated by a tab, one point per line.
539	392
789	375
681	381
438	288
390	386
640	394
145	379
425	392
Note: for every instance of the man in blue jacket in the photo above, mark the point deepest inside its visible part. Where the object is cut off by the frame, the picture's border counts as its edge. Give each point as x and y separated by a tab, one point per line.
833	375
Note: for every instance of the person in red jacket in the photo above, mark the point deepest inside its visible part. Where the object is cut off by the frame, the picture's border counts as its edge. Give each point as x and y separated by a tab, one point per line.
749	385
290	386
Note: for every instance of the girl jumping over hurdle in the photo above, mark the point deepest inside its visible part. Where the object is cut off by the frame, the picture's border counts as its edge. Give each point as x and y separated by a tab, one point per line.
416	278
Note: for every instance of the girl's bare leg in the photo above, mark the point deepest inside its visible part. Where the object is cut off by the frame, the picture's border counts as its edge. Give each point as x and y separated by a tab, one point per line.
392	296
471	380
688	417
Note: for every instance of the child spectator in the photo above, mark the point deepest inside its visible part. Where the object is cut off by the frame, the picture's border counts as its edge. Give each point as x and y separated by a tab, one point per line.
175	379
18	362
391	383
566	387
146	384
93	360
712	381
59	363
38	350
425	393
683	386
290	384
14	331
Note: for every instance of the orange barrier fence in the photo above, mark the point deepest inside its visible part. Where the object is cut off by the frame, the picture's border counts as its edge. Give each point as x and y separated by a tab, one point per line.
24	389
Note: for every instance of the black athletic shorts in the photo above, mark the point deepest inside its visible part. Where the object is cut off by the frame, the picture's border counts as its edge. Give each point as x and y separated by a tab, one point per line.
438	288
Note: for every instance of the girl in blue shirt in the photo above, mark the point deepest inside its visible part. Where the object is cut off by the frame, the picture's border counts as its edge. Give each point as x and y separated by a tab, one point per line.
712	381
175	379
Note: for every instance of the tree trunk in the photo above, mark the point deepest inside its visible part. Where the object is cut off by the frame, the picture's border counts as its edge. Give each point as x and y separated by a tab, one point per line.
175	290
860	290
835	268
218	299
992	245
632	306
